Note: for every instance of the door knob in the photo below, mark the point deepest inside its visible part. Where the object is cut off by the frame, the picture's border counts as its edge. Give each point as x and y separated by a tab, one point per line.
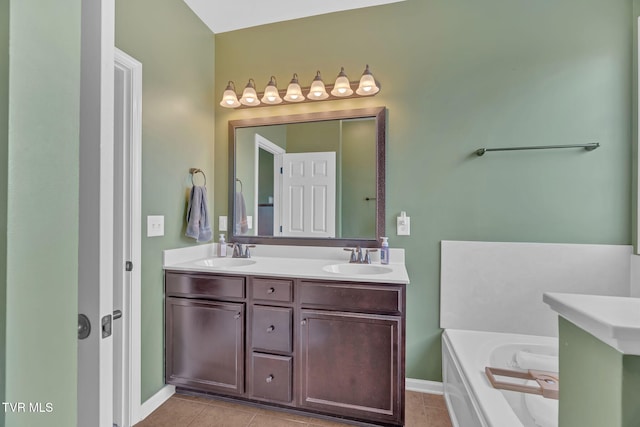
84	326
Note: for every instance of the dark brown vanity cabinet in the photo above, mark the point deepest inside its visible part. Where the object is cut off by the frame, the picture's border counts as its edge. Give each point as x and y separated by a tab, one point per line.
326	347
271	340
352	350
205	332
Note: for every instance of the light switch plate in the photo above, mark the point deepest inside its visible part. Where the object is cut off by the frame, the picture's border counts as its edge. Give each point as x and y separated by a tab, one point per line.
155	225
222	223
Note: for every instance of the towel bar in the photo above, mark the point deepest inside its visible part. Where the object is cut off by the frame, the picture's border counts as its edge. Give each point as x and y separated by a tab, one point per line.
589	147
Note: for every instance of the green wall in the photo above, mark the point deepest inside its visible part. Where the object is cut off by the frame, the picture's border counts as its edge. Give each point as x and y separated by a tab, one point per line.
265	176
359	176
458	75
634	133
600	386
245	170
4	135
42	208
177	54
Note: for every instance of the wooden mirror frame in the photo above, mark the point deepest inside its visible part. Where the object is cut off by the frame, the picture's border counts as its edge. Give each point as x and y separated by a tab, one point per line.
380	115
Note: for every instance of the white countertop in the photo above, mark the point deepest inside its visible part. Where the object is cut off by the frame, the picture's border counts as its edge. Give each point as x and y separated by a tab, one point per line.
287	261
613	320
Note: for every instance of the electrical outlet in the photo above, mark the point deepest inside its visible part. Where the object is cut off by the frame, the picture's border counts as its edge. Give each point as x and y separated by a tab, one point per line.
249	222
403	224
155	225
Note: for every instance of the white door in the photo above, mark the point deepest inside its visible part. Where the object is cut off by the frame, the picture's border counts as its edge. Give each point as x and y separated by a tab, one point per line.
95	251
309	194
121	242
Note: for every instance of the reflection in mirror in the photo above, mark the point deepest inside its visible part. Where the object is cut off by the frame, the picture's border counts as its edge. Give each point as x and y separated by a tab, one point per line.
314	178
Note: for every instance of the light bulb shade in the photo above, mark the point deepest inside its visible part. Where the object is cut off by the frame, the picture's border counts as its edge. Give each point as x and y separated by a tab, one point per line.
342	87
294	92
368	85
271	95
249	95
317	90
229	97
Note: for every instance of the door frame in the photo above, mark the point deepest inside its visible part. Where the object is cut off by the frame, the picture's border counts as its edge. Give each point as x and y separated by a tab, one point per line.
95	215
263	143
130	395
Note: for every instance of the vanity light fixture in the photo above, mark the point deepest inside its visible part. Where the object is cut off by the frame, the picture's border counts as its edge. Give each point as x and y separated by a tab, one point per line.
368	85
317	91
341	89
294	92
229	98
271	94
249	95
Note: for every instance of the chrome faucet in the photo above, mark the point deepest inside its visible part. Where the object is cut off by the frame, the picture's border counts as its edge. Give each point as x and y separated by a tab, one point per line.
237	251
358	257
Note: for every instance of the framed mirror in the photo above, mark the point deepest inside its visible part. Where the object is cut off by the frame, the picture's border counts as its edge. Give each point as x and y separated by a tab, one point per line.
315	179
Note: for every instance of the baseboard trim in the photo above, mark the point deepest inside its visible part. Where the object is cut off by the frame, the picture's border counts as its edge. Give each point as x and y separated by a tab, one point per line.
424	386
155	401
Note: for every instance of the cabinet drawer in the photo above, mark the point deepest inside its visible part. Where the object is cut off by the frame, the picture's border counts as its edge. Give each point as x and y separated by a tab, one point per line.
272	328
272	289
204	285
352	297
271	378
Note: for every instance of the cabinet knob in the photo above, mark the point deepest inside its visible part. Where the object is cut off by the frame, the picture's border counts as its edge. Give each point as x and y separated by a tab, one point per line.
269	378
271	290
237	316
271	328
303	322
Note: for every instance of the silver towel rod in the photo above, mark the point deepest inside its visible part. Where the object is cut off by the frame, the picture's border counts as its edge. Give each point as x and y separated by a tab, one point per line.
589	147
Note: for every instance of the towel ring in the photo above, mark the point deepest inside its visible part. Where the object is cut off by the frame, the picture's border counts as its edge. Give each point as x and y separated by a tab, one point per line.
194	171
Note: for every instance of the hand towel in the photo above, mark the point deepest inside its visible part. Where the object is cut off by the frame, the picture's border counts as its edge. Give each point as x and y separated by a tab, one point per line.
198	226
240	215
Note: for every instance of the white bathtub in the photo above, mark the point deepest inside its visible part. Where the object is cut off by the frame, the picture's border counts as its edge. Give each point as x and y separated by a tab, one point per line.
471	399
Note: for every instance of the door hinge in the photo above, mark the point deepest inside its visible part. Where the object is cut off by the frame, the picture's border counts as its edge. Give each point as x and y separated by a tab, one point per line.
128	266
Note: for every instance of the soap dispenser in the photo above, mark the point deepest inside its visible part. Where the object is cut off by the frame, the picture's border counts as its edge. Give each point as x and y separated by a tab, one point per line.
222	246
384	251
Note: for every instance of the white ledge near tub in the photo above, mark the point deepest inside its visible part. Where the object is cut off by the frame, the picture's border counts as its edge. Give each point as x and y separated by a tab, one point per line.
324	263
613	320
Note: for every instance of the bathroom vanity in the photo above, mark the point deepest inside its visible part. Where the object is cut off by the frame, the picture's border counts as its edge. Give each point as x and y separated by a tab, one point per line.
291	333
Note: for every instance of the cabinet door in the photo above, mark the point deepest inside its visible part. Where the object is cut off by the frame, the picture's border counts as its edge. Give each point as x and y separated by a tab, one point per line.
350	364
205	345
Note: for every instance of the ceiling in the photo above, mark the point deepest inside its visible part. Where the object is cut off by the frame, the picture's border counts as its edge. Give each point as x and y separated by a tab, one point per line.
228	15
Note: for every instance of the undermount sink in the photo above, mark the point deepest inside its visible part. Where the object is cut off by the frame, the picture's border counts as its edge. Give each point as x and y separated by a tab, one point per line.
225	262
357	269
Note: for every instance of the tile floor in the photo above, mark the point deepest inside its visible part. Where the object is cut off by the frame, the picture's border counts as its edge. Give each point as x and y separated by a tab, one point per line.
422	410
